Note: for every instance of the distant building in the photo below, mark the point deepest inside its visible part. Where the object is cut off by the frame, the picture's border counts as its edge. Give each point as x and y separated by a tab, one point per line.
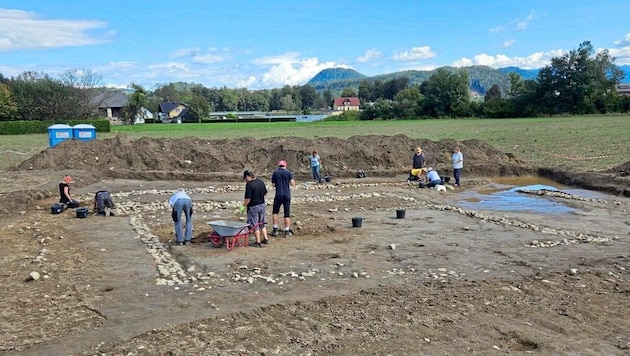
175	112
623	89
110	105
346	104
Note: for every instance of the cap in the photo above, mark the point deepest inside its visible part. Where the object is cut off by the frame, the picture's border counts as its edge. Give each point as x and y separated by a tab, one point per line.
67	179
282	163
429	169
248	173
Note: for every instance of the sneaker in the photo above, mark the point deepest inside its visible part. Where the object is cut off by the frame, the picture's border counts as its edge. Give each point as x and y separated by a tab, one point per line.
108	212
265	241
257	244
112	212
179	243
186	242
288	233
274	232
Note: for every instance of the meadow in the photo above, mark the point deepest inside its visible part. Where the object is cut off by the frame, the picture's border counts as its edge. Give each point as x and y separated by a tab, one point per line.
576	142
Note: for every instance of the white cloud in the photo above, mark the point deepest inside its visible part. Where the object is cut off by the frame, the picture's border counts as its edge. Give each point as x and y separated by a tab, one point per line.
290	69
508	43
369	55
197	56
516	24
624	41
622	55
185	52
533	61
414	54
24	30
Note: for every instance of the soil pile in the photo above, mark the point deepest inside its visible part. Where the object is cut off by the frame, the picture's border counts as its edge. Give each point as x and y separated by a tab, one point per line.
186	158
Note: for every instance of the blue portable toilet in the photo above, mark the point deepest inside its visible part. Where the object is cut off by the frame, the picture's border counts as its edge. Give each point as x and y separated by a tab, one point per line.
58	133
84	132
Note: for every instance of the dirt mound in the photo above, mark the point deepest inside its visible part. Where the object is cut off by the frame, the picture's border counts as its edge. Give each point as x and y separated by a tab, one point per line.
622	169
190	156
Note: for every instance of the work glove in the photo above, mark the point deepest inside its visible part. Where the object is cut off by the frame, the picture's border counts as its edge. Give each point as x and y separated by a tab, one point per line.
241	209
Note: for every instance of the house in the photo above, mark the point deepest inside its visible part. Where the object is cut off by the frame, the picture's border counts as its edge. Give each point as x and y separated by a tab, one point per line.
110	105
175	112
623	89
143	116
346	104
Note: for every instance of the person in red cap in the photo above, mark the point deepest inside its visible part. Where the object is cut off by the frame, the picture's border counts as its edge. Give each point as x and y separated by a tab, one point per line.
64	193
282	180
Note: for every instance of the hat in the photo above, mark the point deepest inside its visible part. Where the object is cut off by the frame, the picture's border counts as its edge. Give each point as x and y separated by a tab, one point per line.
68	179
282	163
429	169
248	173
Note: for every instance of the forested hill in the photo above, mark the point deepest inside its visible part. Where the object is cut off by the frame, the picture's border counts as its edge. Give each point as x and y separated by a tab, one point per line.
481	77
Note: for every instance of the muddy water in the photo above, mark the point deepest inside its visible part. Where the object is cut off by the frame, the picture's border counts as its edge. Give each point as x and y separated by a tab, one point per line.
502	194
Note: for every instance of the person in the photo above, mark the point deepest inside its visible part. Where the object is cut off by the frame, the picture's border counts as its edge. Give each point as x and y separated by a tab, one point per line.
316	164
181	202
458	163
282	180
418	162
433	178
103	204
255	191
64	193
418	174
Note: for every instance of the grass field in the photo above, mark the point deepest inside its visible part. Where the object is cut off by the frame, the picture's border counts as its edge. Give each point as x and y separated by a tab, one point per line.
580	142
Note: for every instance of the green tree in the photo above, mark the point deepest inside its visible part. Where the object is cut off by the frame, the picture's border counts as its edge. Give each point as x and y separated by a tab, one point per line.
494	93
407	103
309	95
348	92
446	93
137	100
516	85
579	82
8	107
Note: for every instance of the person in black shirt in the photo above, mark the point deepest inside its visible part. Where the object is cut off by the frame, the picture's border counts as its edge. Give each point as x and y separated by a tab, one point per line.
255	191
418	163
64	193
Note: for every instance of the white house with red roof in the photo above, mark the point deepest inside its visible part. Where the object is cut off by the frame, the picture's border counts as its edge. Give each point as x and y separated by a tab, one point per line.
346	104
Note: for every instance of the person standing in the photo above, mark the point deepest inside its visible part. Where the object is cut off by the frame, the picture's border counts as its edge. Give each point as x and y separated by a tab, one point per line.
316	164
103	204
255	191
64	193
458	163
282	180
181	202
418	163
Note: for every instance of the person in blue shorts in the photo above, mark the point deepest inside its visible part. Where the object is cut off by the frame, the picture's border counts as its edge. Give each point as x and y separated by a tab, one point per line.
282	180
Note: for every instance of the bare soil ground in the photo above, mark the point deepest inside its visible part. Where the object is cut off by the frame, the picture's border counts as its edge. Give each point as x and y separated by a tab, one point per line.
443	280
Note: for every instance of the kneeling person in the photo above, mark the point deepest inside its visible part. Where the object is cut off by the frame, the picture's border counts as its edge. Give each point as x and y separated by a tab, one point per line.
103	204
255	191
433	178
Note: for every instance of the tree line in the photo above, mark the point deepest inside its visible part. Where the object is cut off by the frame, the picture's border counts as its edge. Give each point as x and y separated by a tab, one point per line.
580	81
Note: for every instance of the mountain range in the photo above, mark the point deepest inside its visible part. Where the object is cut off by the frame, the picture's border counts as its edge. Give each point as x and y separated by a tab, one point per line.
481	77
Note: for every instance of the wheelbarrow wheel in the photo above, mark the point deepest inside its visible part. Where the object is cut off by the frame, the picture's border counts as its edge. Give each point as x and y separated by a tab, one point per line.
216	240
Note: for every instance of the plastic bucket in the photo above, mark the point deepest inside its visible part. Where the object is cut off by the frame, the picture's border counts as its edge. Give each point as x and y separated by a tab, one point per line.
81	212
357	222
56	208
400	213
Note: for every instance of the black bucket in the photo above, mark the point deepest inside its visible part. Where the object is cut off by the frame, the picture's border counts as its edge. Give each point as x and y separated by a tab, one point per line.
327	179
357	222
400	213
57	208
81	212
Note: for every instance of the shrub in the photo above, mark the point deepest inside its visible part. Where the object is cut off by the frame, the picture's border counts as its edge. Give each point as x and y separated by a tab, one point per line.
37	126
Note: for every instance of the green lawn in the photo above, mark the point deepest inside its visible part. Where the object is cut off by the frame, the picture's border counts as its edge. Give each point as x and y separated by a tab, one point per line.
565	141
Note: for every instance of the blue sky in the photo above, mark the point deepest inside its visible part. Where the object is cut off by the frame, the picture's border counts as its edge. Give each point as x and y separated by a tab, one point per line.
269	43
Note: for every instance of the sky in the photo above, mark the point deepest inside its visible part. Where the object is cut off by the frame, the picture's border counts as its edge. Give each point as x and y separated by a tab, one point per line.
258	44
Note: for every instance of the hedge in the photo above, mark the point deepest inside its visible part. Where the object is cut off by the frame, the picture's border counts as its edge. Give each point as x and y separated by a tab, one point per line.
37	127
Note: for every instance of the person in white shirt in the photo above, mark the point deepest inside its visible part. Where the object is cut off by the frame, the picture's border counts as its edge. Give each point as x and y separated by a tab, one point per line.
458	163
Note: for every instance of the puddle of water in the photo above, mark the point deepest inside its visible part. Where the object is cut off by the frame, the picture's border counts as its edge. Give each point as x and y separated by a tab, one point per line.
503	196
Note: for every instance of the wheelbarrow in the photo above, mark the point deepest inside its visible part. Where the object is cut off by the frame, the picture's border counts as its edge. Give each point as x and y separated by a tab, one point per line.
229	233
